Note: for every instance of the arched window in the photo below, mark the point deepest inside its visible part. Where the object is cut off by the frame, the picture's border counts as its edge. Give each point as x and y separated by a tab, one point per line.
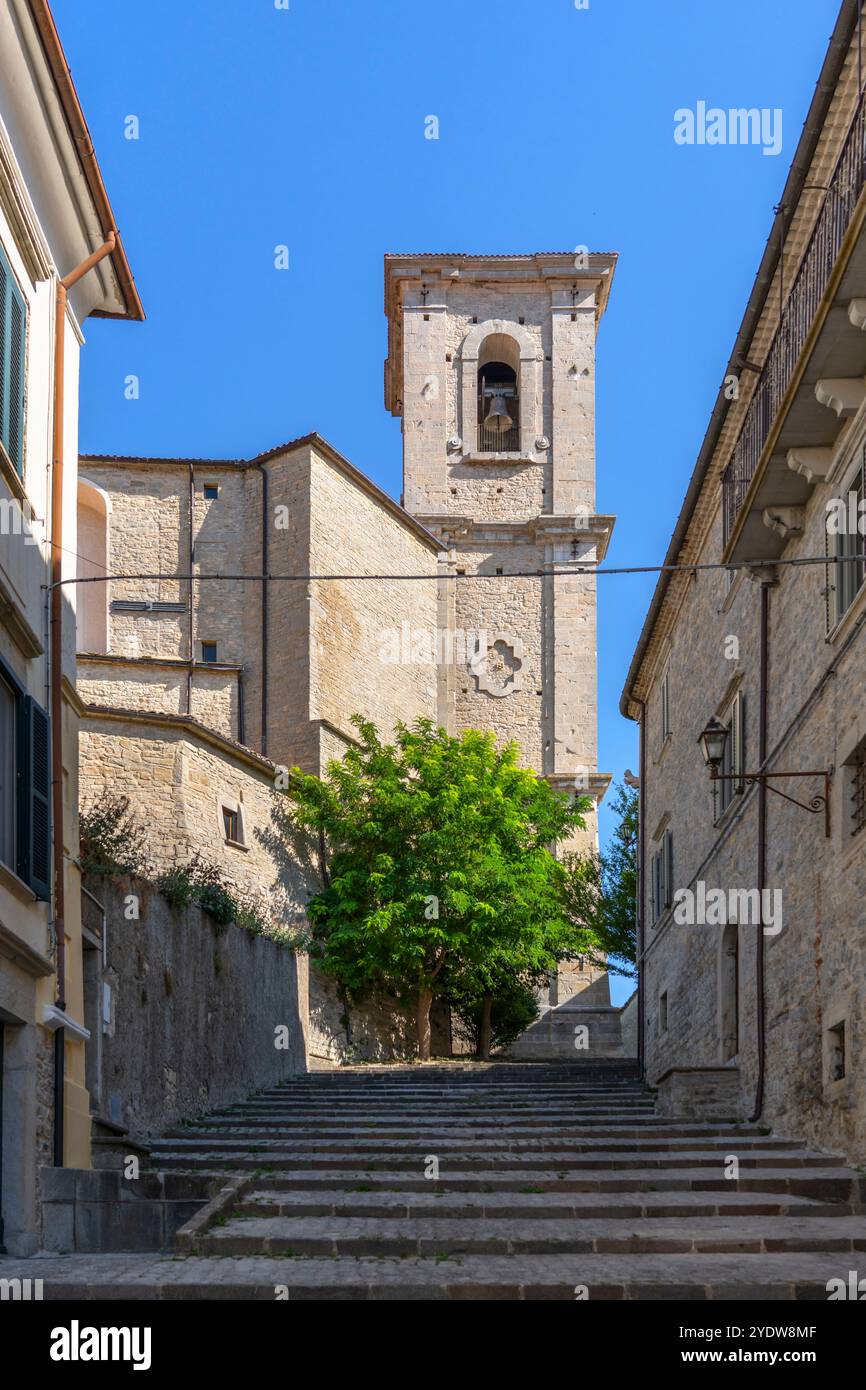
92	599
499	396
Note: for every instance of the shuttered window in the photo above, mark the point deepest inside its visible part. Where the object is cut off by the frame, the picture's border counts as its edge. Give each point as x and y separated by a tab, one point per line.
666	705
662	867
844	581
8	751
734	760
13	334
25	785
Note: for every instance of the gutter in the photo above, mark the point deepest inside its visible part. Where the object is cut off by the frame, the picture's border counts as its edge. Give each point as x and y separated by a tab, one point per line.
840	43
78	129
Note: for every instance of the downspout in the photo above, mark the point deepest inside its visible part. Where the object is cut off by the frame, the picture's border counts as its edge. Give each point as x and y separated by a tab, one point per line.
263	741
56	672
190	598
760	1008
641	895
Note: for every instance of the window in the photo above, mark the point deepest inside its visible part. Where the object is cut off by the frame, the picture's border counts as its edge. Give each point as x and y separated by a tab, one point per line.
211	492
733	762
232	824
663	1012
498	409
25	785
662	865
13	324
208	651
856	769
844	581
666	705
836	1052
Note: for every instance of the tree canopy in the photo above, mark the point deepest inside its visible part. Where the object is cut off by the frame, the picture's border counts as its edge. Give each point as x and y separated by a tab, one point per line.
437	866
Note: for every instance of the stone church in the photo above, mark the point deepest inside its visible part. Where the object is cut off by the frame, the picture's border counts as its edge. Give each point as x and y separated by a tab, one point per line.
197	688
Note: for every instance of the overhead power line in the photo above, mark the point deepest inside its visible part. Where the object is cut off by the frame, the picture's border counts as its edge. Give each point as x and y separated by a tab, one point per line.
562	571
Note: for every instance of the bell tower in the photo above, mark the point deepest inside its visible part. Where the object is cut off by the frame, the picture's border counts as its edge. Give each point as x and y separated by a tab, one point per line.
491	367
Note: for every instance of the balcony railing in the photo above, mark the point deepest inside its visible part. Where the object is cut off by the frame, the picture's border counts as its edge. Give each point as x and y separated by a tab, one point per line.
797	317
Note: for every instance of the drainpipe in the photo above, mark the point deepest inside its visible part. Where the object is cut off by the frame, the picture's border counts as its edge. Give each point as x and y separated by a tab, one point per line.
190	605
760	1008
263	741
56	671
641	895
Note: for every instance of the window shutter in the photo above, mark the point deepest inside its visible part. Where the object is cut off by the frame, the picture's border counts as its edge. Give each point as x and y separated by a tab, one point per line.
34	801
668	851
656	864
829	588
4	355
13	320
738	740
16	382
666	705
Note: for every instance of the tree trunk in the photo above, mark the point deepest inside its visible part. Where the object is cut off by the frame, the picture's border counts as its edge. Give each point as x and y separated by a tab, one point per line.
425	999
484	1029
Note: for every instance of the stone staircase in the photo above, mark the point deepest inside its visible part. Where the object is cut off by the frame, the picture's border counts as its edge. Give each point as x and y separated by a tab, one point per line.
504	1181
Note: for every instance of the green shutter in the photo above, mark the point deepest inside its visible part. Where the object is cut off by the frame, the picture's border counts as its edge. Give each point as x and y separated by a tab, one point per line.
5	281
34	798
13	341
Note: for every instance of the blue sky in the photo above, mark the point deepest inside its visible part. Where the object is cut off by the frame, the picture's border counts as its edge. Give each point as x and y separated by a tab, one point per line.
305	127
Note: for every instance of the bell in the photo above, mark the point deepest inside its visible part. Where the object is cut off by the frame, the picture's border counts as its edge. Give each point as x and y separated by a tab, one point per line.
498	421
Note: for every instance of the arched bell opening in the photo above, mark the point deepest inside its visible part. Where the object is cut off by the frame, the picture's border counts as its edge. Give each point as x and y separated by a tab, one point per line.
498	408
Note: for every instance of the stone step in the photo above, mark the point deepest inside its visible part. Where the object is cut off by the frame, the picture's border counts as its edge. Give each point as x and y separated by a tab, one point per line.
392	1155
279	1199
339	1140
495	1105
336	1236
653	1132
824	1184
513	1277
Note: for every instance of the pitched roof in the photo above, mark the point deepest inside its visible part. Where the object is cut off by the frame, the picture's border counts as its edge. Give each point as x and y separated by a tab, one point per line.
78	130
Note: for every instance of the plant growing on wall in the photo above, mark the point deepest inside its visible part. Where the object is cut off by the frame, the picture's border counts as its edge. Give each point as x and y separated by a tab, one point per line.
601	892
436	866
111	841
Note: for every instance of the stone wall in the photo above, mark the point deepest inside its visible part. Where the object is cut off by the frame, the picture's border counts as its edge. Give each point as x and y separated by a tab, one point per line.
192	1011
815	965
177	780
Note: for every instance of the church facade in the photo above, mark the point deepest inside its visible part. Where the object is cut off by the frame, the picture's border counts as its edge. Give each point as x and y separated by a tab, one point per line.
199	688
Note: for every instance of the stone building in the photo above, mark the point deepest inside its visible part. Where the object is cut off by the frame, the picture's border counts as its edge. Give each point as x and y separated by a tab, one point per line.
54	214
759	1002
197	689
491	368
197	692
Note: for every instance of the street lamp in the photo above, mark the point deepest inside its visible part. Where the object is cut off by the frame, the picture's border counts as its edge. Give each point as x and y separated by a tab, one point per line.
713	741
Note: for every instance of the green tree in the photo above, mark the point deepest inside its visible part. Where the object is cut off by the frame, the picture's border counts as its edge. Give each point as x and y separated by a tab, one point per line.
512	1010
601	889
436	863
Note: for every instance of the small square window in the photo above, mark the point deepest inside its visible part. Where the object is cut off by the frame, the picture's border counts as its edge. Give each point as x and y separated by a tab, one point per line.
208	651
211	492
836	1052
232	824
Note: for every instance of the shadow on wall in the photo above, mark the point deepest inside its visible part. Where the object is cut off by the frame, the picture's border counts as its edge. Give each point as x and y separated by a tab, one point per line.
184	1015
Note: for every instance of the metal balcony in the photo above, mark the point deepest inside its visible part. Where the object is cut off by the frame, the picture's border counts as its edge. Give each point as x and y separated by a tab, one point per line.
798	317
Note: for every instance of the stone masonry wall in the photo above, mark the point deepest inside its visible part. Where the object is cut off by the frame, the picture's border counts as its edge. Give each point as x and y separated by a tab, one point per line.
815	966
193	1012
354	626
